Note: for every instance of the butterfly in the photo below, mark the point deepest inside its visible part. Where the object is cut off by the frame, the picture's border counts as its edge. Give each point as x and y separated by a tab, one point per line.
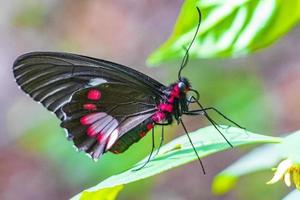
105	106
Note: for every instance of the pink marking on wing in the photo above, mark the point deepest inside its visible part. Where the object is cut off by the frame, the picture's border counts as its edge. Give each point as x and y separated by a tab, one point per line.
142	134
100	138
91	118
94	94
112	138
99	125
149	126
90	131
89	106
85	120
166	107
158	116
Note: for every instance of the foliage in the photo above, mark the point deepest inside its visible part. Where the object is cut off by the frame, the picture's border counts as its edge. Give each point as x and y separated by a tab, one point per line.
228	28
179	151
262	158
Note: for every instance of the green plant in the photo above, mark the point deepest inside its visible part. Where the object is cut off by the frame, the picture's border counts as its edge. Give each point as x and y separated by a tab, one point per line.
229	29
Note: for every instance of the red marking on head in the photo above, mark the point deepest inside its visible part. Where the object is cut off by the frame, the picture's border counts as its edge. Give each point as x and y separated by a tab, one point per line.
149	126
142	134
89	106
166	107
94	94
158	116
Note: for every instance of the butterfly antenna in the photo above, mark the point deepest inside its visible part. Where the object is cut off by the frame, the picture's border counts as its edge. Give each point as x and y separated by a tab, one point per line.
186	56
188	135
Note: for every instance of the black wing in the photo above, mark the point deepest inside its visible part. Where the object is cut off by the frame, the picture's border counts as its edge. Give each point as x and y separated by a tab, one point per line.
69	85
51	78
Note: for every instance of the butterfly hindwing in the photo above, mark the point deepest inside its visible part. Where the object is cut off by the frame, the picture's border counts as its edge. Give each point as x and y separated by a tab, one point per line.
97	117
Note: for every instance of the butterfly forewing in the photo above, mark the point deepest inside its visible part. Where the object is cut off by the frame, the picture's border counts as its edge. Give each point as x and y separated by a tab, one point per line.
98	101
51	78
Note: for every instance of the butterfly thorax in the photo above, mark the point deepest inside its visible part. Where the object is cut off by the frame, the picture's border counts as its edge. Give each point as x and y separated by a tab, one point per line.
174	104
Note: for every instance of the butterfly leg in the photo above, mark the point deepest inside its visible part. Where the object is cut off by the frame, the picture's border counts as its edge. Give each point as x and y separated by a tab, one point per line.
161	141
217	111
202	111
188	135
149	158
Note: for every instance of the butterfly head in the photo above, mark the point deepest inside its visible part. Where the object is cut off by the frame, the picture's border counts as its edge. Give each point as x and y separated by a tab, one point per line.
183	85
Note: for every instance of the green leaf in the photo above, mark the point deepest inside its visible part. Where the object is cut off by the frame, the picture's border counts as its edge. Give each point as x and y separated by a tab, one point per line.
228	28
262	158
179	151
291	148
105	194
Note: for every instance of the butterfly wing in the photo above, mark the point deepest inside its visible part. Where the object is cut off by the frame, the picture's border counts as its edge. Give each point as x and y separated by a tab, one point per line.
51	78
98	101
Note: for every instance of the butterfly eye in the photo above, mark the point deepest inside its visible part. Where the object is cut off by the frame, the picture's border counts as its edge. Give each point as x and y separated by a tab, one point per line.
182	86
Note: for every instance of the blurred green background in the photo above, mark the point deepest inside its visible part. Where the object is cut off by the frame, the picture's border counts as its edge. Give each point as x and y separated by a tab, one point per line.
259	92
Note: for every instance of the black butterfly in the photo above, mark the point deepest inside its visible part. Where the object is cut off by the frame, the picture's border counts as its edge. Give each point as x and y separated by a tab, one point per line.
104	106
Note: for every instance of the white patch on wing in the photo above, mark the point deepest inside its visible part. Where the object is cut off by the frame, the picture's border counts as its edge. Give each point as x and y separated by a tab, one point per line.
96	81
92	118
112	138
100	125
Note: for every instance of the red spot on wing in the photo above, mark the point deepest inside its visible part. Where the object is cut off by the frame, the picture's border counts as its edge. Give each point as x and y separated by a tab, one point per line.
90	131
91	118
85	120
100	138
89	106
94	94
149	126
142	134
